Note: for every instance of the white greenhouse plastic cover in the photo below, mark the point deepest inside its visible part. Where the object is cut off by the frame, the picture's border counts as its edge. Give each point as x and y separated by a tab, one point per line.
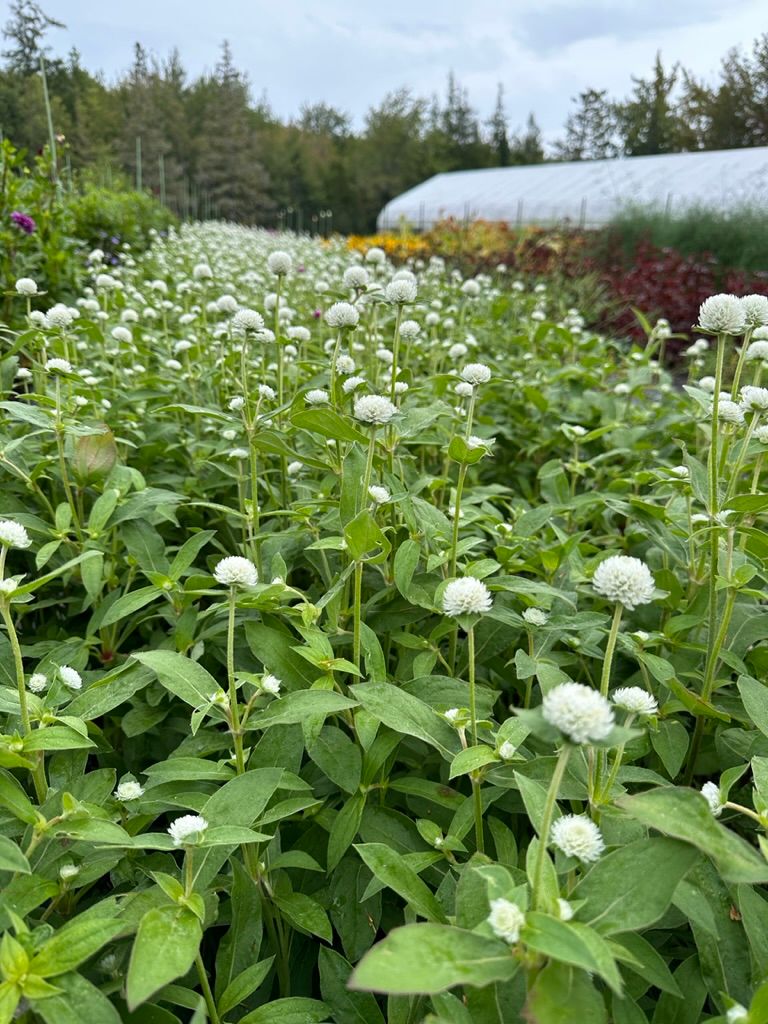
587	192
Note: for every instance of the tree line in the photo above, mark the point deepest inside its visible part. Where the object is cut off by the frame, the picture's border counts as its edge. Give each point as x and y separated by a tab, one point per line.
205	147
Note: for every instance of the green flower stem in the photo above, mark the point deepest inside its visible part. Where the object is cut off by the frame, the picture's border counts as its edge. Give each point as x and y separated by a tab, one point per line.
280	365
334	359
741	456
476	794
210	1002
740	364
610	647
712	467
59	431
456	519
233	708
38	773
357	602
617	759
395	352
254	524
368	468
546	823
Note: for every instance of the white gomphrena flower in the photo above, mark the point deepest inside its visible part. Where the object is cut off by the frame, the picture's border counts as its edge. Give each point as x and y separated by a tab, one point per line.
7	587
755	308
375	255
507	750
580	713
122	334
202	272
409	329
271	684
401	290
457	351
476	373
58	366
452	715
466	596
577	836
681	472
294	468
70	677
757	350
172	364
736	1014
26	286
754	399
345	365
68	871
464	390
37	682
762	434
379	494
356	277
401	387
730	412
624	580
316	397
187	830
247	320
238	453
711	793
279	263
351	383
635	700
236	571
23	373
535	617
342	315
708	384
236	403
506	919
565	910
265	391
375	409
471	288
128	790
722	314
13	535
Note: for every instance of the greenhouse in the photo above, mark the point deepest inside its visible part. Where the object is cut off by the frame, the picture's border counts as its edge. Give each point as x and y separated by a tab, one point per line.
586	193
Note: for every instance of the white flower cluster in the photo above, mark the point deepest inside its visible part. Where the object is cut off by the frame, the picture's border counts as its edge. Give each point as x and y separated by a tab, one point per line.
624	580
506	919
375	409
580	713
466	596
187	830
236	571
635	700
577	836
13	535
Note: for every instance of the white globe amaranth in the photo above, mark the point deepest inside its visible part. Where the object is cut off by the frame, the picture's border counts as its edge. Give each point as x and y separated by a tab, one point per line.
351	384
13	535
755	309
342	315
758	350
356	277
380	495
37	682
26	286
736	1014
580	713
316	397
7	587
506	919
265	391
122	335
187	830
236	571
345	365
635	700
409	329
271	684
58	366
722	314
730	412
464	389
375	255
711	793
248	320
565	910
535	617
279	263
128	790
624	580
466	596
374	409
401	290
507	750
70	677
578	836
754	399
476	373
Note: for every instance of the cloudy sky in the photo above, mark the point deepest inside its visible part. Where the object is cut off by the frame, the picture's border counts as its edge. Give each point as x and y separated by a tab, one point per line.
351	52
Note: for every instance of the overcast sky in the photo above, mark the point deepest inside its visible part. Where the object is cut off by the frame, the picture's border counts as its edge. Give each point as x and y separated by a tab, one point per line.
351	52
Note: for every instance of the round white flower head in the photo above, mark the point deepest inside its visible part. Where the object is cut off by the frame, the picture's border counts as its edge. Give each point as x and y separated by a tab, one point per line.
471	288
635	700
464	390
582	714
202	272
736	1014
37	682
711	793
58	366
67	871
236	571
755	309
356	277
345	364
316	396
13	535
476	373
58	316
265	391
730	412
187	830
379	494
127	791
757	350
409	329
401	290
247	320
342	315
624	580
535	617
70	677
8	586
466	596
375	255
722	314
236	403
122	334
375	409
565	910
762	434
351	384
26	286
279	263
754	399
507	750
577	836
506	919
271	684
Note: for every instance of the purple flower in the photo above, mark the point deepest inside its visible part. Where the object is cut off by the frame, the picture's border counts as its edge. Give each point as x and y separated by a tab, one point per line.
317	314
23	221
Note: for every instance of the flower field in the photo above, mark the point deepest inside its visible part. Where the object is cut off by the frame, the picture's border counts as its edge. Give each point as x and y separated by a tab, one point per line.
379	646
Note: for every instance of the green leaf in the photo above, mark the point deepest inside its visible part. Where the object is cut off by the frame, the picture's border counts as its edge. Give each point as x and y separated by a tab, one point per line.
427	958
183	677
305	914
165	948
244	984
348	1007
78	1001
74	943
328	423
632	887
344	829
130	603
294	1010
407	714
571	943
755	698
685	814
14	799
295	708
562	995
471	759
391	870
11	857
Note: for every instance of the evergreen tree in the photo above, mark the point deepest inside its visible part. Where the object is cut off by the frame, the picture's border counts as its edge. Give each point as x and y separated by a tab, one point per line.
647	118
498	125
591	129
26	29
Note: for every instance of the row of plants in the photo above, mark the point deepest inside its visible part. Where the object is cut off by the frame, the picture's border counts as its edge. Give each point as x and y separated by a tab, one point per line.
378	645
